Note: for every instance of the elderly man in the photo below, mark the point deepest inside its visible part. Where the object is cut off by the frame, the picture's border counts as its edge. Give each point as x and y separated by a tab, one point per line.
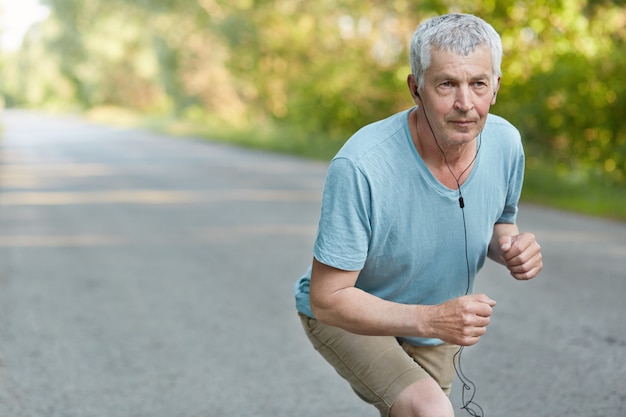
412	206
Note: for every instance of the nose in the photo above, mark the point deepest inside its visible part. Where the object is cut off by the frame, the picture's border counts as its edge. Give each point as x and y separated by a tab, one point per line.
463	99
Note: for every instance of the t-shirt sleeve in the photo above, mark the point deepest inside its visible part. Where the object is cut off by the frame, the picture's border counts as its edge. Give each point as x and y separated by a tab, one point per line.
344	229
516	180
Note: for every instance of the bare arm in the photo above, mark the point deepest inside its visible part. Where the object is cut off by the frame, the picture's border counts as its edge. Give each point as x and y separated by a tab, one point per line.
500	230
520	253
337	302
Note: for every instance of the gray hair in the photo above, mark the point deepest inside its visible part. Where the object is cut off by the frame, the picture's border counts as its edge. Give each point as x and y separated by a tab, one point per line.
457	33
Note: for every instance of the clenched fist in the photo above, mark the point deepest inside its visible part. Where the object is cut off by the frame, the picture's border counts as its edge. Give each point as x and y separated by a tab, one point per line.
462	321
521	254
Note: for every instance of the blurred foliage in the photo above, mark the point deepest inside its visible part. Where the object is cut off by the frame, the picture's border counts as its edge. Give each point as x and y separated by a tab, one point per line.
323	69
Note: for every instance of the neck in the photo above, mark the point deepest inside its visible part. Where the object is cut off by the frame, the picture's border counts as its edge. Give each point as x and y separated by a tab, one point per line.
449	163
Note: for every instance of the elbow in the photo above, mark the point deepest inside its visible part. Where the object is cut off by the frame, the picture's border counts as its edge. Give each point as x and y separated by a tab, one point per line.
321	308
330	293
326	306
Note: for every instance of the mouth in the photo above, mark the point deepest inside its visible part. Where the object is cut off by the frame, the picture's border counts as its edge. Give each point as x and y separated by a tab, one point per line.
463	123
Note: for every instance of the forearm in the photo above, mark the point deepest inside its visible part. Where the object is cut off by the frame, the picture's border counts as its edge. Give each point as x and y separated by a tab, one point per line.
359	312
337	302
501	229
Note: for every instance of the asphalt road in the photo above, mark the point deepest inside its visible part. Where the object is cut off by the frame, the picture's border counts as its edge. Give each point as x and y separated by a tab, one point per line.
142	275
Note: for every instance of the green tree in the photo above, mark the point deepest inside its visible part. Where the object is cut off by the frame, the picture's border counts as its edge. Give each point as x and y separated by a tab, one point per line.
563	82
326	68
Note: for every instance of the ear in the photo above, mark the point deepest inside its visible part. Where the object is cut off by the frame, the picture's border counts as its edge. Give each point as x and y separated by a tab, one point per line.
495	92
412	84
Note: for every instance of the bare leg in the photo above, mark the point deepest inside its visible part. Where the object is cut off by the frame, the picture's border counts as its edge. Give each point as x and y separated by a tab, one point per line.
423	398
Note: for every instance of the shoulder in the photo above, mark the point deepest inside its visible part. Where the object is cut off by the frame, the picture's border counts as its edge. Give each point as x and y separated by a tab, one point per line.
498	125
501	134
382	134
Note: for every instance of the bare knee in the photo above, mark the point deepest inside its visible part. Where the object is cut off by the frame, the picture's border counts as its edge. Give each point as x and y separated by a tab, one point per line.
423	398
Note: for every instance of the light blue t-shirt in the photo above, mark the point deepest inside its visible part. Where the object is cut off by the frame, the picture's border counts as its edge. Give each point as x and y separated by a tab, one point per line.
385	214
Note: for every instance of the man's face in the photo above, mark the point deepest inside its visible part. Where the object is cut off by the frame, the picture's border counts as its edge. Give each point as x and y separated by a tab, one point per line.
458	92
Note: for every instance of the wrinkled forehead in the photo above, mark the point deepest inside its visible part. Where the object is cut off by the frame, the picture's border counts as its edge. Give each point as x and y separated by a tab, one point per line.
478	62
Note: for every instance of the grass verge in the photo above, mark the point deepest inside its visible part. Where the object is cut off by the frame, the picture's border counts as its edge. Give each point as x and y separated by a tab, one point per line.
548	186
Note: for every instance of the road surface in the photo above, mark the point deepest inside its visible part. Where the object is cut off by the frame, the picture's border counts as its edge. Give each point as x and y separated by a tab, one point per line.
143	275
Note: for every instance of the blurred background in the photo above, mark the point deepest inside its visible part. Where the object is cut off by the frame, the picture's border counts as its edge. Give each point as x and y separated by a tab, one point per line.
300	76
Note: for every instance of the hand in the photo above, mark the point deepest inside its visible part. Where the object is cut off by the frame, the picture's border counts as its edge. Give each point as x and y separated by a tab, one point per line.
462	321
521	254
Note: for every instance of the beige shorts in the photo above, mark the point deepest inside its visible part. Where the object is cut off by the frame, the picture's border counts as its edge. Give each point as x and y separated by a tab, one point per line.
379	368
